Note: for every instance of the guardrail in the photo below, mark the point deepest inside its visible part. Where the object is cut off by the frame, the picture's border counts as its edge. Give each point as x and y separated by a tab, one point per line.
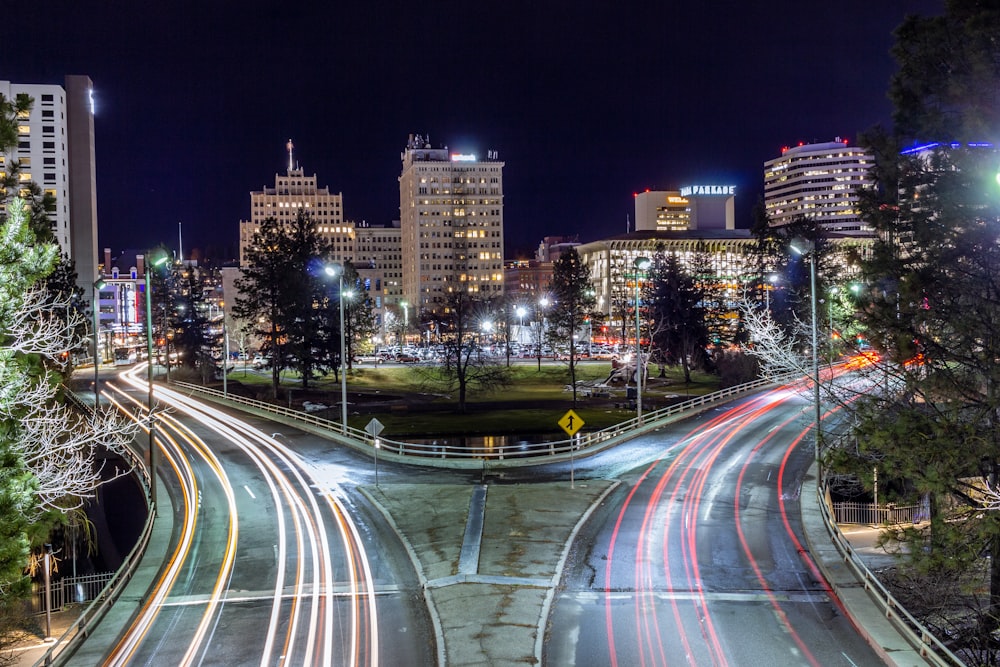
928	645
517	454
67	643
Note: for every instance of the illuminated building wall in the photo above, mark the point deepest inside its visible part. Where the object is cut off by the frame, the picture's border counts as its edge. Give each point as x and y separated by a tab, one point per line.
294	192
451	216
55	150
691	207
819	181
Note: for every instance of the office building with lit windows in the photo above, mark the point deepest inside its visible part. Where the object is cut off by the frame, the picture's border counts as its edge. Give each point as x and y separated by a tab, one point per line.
691	207
55	150
378	261
451	219
821	182
294	192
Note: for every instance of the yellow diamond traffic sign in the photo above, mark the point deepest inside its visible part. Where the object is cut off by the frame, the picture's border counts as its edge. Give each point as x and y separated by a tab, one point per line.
571	423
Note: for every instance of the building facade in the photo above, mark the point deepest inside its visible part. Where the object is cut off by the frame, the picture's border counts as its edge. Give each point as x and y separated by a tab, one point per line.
451	217
691	207
821	182
294	192
55	150
378	261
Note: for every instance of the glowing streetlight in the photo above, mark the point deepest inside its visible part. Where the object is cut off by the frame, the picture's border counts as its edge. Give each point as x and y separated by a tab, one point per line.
641	264
149	367
543	303
99	284
338	270
803	248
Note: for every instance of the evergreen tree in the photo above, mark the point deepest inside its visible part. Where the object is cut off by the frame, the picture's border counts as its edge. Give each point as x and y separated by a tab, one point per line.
932	303
573	294
282	291
678	330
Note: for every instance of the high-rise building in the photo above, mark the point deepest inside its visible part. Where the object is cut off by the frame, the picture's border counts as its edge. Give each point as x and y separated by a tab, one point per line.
378	261
294	192
691	207
821	182
451	217
55	150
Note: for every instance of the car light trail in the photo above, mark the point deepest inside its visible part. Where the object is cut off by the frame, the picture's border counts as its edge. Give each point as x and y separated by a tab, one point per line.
306	616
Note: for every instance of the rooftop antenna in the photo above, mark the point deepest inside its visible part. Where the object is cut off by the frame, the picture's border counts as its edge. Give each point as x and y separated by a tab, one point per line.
180	243
290	146
628	224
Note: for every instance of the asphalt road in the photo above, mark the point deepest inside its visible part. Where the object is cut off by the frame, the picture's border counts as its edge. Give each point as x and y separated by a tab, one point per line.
697	559
270	566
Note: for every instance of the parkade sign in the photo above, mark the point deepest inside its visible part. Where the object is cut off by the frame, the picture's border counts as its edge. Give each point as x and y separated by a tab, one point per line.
695	190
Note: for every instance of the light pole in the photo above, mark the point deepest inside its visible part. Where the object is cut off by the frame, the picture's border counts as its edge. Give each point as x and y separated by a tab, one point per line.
338	270
149	368
543	303
641	264
225	350
802	249
99	284
773	279
406	322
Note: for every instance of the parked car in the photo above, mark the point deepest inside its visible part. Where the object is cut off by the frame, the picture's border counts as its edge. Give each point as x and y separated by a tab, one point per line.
404	358
260	361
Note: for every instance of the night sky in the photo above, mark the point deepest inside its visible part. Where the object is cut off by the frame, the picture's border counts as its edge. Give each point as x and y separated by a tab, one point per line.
586	102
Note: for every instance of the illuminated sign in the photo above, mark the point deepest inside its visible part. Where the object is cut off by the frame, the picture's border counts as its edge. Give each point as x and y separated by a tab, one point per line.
463	157
671	199
708	190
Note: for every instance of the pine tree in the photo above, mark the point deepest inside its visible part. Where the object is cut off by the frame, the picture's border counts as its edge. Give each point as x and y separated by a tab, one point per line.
574	298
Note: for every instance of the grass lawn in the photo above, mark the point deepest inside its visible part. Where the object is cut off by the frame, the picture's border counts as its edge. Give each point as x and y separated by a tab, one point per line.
414	400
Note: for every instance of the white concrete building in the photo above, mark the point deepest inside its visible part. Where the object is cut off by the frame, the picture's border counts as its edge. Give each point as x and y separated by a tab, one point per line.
378	259
55	150
819	181
451	217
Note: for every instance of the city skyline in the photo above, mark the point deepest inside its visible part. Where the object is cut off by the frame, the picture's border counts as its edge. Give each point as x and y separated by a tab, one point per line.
585	107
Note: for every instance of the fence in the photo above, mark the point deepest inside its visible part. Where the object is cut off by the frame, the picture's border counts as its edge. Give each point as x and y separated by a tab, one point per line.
872	515
67	590
520	453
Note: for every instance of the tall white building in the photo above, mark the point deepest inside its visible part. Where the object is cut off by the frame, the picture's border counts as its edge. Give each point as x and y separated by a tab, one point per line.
55	150
451	217
819	181
378	261
294	192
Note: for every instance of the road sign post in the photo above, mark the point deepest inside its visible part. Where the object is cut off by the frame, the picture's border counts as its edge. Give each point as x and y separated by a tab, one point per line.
373	429
571	423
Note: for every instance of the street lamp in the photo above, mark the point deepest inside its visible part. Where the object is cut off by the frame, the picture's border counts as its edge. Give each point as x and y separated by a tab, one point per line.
406	321
641	264
543	303
338	270
773	279
804	248
149	368
99	284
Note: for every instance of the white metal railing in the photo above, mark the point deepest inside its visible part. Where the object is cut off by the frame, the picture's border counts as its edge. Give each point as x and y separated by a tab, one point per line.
876	515
67	590
523	453
929	646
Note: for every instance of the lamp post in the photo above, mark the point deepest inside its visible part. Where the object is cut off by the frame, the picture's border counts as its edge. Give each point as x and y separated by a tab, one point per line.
225	350
149	368
773	279
521	312
99	284
543	303
803	248
641	264
338	270
406	322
